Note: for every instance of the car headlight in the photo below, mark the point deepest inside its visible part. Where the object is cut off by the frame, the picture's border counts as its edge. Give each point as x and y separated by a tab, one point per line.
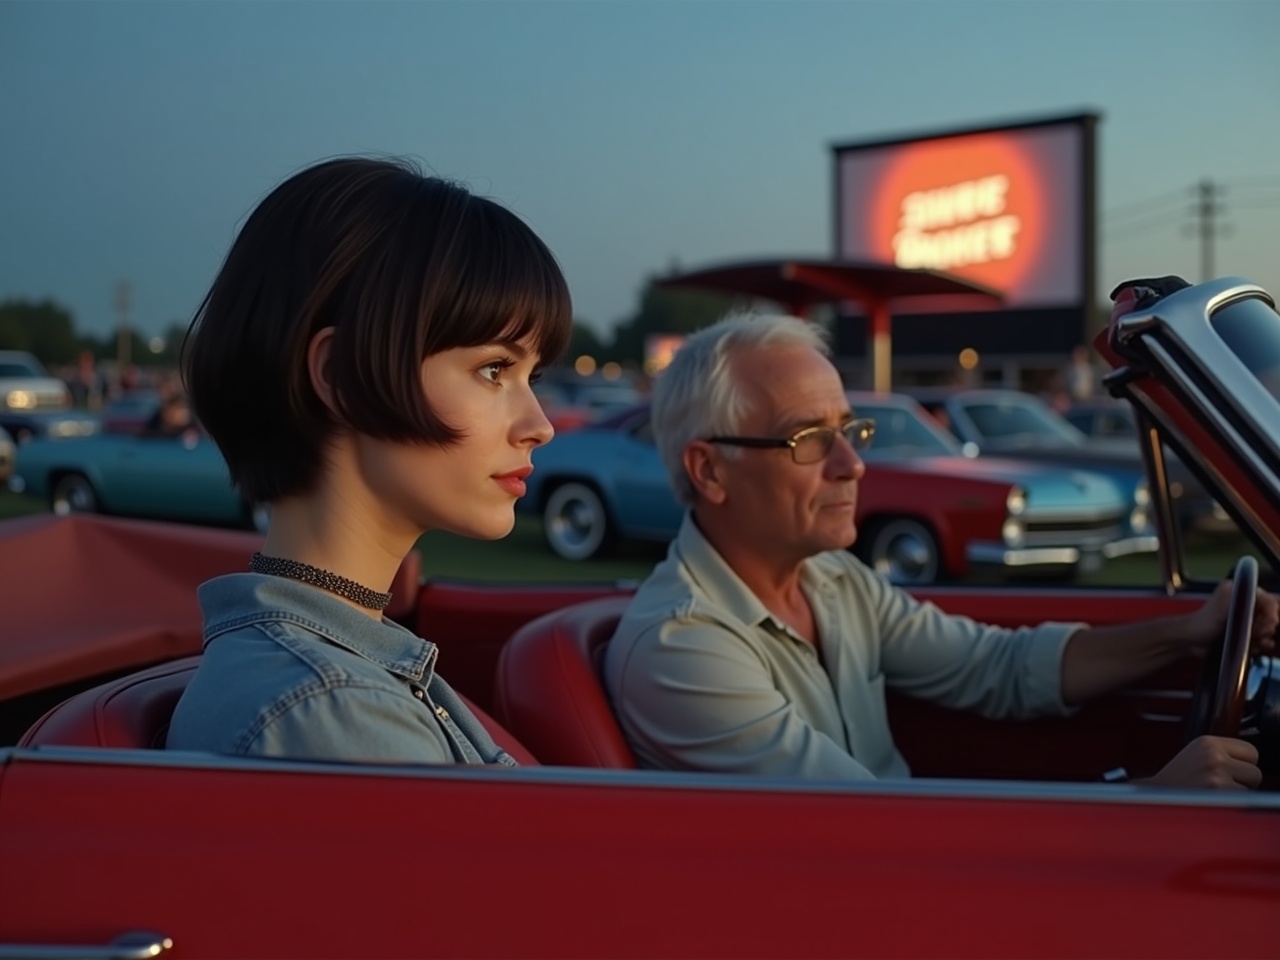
1142	494
20	400
1140	515
1139	521
1013	532
1016	502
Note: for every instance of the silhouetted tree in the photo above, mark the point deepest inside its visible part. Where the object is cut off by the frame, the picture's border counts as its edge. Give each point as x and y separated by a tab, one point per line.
43	328
666	310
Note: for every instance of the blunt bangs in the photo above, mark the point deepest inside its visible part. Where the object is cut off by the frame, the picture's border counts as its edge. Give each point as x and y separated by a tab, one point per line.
453	270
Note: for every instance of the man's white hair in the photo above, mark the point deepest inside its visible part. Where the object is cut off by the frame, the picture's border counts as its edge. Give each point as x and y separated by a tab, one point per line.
698	394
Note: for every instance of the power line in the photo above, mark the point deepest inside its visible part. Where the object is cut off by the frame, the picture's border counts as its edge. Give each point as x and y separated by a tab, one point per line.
1164	219
1141	207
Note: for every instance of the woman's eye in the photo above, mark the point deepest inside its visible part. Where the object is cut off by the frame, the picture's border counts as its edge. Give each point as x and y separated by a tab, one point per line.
493	371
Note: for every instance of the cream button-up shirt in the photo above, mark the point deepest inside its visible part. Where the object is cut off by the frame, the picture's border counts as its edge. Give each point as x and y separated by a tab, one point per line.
703	677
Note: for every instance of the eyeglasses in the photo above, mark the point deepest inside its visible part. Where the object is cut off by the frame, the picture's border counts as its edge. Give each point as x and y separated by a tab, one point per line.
812	443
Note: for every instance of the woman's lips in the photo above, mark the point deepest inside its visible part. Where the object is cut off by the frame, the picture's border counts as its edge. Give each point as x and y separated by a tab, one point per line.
513	482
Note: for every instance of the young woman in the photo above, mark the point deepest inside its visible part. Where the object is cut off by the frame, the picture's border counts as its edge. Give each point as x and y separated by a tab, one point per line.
364	361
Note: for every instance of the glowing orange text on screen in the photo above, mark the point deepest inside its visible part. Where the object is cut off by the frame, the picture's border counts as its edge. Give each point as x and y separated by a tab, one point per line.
969	205
955	226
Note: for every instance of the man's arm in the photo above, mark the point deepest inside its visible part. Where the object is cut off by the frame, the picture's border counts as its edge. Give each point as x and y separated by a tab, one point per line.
1098	660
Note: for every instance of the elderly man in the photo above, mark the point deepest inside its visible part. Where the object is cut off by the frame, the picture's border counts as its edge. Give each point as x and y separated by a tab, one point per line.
761	645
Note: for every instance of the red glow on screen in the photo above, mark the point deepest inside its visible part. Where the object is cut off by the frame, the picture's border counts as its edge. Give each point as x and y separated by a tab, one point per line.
973	206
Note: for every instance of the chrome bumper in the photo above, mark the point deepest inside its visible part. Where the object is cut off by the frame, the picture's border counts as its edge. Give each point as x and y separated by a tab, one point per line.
1086	558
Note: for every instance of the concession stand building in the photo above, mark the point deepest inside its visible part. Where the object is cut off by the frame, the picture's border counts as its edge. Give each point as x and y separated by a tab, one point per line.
1011	208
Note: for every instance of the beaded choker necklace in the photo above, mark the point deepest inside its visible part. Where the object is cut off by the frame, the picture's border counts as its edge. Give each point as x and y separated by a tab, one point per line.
296	570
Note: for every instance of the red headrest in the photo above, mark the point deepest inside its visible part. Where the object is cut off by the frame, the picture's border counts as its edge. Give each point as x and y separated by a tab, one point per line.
549	689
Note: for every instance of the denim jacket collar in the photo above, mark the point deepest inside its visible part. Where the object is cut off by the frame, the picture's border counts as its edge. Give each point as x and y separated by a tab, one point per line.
236	599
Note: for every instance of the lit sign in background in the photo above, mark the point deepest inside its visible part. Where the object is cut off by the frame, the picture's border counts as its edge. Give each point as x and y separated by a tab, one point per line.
1002	208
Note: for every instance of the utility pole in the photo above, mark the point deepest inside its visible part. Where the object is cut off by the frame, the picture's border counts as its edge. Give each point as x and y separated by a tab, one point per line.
124	302
1206	211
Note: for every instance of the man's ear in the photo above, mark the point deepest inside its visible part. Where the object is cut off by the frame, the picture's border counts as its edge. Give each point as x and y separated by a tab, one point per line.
705	471
319	352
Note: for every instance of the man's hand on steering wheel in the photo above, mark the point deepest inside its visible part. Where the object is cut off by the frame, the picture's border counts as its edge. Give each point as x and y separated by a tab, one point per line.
1214	763
1206	626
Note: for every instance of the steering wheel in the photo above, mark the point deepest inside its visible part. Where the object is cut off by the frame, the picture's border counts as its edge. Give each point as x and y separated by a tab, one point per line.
1218	704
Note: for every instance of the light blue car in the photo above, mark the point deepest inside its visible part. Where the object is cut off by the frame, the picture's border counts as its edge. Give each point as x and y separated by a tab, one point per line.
157	477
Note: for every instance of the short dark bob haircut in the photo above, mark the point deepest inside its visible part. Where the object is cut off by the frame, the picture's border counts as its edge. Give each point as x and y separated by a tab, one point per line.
402	266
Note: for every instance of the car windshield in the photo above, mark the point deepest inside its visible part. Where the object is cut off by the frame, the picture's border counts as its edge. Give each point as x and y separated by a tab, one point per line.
1251	330
1022	420
900	432
17	368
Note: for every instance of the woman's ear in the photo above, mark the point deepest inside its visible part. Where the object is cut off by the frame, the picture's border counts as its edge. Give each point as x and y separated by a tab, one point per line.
703	467
319	351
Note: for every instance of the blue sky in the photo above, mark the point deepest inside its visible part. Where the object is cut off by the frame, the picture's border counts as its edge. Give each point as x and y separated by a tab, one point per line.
137	136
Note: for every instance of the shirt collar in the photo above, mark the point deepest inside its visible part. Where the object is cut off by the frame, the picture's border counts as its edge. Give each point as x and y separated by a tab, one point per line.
714	577
722	586
236	598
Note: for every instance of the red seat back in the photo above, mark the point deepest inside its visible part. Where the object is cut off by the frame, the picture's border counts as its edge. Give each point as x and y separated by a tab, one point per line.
549	687
134	711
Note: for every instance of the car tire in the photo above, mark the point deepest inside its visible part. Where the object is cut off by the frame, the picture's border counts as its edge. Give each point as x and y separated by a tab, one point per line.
903	550
576	523
73	493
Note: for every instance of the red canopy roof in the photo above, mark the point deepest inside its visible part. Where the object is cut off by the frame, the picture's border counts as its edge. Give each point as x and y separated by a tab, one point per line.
799	284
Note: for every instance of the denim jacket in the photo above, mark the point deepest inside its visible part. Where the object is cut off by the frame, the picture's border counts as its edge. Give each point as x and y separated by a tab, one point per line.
290	671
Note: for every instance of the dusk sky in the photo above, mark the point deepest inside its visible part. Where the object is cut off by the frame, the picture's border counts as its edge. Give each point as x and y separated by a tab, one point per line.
137	136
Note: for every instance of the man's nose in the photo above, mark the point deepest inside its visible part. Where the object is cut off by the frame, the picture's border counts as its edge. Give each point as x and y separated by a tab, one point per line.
843	462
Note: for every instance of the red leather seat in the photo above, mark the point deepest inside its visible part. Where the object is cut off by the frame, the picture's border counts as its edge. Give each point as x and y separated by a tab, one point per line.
133	712
549	687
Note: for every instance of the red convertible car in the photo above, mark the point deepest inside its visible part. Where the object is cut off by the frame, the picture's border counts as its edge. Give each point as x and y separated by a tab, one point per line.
1003	845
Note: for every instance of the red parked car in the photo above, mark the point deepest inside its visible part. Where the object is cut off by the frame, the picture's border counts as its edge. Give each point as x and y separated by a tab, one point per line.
1004	845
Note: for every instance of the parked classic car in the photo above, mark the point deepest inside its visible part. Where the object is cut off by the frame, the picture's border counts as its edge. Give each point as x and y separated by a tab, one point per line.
105	839
925	512
130	412
159	477
1011	423
26	385
1106	417
35	404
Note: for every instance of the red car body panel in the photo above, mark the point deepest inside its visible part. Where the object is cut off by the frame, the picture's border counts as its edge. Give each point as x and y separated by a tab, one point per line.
467	867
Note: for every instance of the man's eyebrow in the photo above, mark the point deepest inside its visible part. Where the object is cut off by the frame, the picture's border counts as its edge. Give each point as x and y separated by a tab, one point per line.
792	427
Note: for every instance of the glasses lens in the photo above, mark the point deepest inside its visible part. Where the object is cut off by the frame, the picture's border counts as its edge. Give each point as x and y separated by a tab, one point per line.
859	433
812	445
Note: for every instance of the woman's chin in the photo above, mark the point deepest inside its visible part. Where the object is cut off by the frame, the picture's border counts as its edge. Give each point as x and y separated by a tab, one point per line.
490	528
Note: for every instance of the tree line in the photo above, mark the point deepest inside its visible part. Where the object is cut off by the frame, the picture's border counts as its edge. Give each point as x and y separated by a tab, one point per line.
48	330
